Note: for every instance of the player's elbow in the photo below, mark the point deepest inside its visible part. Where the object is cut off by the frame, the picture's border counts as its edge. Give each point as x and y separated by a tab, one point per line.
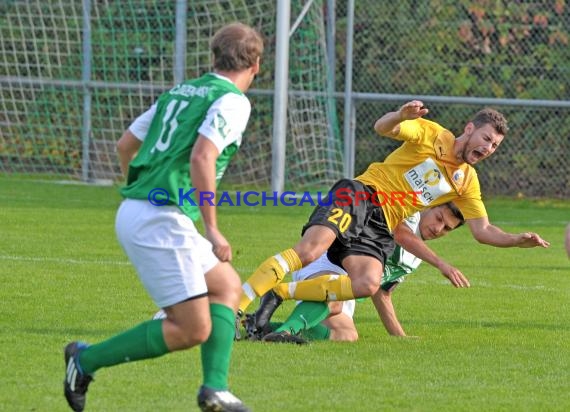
127	146
482	235
121	148
121	144
482	239
203	159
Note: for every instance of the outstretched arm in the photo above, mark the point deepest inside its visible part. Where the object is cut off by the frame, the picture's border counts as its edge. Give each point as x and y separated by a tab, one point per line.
485	232
417	247
389	124
383	302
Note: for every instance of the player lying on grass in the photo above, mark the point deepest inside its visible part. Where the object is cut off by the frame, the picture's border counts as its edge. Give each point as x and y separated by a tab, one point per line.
317	320
356	224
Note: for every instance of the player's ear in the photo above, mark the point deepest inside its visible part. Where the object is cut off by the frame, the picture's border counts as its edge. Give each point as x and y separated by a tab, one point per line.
469	128
256	65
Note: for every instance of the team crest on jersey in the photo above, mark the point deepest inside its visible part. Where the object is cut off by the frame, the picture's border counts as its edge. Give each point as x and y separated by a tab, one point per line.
219	123
428	181
458	177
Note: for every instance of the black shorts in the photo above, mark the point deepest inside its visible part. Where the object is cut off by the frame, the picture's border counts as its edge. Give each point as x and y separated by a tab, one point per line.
360	226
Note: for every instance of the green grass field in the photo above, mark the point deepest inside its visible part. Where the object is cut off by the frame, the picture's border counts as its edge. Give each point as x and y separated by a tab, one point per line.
502	345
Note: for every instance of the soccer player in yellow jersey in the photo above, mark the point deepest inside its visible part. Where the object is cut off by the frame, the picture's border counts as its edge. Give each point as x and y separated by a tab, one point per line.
430	168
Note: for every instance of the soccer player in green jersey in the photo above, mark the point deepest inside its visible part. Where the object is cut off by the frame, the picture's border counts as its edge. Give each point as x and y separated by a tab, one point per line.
174	155
316	320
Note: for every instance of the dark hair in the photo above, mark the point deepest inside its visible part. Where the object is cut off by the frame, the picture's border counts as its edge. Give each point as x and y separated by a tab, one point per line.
236	47
456	212
492	117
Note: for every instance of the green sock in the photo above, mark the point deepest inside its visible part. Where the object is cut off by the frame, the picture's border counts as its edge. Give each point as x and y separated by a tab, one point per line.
305	316
144	341
275	325
216	351
318	332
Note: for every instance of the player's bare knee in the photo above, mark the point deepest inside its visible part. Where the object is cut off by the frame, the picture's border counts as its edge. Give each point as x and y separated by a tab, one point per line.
224	285
195	336
308	253
316	240
365	286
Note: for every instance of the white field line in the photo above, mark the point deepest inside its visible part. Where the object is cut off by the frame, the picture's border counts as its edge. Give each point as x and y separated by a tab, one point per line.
66	261
423	280
69	261
415	278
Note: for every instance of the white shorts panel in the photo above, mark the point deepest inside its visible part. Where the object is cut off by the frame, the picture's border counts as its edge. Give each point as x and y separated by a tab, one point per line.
321	265
324	266
168	253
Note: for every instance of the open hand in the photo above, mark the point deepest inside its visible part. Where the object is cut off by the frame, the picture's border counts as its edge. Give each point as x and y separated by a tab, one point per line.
530	239
412	110
455	276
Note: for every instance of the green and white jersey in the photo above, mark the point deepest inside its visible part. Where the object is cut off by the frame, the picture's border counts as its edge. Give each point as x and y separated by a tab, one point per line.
211	106
401	262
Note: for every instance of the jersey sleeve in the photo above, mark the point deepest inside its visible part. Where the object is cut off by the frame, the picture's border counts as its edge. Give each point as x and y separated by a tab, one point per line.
140	126
413	222
226	120
470	203
418	131
410	131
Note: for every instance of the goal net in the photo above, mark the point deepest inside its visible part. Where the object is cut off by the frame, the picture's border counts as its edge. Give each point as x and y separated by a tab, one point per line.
61	112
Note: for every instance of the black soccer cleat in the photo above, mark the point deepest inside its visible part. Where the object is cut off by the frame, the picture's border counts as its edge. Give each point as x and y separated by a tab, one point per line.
76	382
252	331
267	307
210	400
284	337
238	322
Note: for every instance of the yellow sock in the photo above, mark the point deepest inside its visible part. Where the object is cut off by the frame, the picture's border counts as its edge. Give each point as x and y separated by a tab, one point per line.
269	274
321	288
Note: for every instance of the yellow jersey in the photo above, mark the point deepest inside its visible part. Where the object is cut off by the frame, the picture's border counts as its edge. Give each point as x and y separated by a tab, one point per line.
423	172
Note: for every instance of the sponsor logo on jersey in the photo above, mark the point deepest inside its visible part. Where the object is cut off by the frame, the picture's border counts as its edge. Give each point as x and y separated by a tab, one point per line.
427	179
432	177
